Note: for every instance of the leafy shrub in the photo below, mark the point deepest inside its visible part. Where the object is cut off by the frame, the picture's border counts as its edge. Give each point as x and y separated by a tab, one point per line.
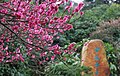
90	20
70	67
109	32
112	12
15	69
69	70
113	56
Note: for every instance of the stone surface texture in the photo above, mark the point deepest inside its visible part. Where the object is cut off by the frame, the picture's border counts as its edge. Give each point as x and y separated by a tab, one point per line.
94	56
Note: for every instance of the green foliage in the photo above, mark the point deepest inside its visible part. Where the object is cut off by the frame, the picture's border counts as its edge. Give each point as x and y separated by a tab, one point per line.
108	31
112	12
69	64
1	1
70	67
14	69
90	20
28	68
85	24
69	70
113	56
88	23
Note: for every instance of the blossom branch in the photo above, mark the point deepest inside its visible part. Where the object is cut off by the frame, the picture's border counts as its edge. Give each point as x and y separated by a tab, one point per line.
19	37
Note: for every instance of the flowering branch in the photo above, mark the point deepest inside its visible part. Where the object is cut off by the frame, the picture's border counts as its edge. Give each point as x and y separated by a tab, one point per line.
18	36
36	26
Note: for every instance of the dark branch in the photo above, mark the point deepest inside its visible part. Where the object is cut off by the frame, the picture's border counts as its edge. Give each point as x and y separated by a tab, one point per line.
23	41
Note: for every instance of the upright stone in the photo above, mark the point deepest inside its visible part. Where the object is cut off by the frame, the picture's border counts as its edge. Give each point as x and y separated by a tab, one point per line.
94	56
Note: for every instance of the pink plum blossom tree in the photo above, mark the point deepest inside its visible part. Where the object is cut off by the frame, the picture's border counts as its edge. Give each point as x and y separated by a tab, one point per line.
33	26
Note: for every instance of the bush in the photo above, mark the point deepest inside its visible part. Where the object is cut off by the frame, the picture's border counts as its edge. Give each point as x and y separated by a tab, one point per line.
112	12
70	67
15	69
109	32
113	58
86	24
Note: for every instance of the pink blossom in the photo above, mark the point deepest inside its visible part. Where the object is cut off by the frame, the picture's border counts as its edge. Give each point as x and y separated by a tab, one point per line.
70	52
21	58
43	6
8	61
86	43
7	53
57	52
68	7
33	56
61	30
43	54
7	39
1	58
3	20
71	46
6	48
52	58
79	7
65	51
66	18
44	61
18	15
40	62
58	37
4	11
66	0
47	58
36	26
55	47
15	28
64	58
17	50
47	37
67	27
29	40
81	13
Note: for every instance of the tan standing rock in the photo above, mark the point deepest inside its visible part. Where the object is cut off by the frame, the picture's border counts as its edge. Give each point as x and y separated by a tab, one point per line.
94	56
